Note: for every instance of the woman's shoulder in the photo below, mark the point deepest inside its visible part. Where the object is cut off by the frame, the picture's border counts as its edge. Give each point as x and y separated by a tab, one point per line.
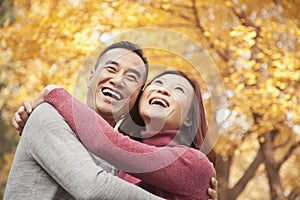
198	159
199	172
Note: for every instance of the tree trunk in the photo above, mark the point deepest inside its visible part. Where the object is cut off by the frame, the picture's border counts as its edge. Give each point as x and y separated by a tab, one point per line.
272	168
223	166
223	170
247	176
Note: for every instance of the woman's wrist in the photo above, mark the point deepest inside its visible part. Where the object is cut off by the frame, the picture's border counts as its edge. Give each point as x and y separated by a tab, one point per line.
41	97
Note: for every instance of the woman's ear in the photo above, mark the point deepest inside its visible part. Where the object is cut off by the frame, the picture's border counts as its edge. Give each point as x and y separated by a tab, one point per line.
90	78
188	121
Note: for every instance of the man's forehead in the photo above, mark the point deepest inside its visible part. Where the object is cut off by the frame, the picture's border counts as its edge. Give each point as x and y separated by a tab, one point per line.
120	55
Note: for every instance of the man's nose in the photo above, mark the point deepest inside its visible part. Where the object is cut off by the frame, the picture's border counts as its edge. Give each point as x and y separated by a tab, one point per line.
117	80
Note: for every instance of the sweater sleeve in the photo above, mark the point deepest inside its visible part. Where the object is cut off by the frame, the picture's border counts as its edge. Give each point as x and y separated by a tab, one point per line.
158	166
52	145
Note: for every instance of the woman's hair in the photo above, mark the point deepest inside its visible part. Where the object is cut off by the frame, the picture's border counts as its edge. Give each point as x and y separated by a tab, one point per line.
192	136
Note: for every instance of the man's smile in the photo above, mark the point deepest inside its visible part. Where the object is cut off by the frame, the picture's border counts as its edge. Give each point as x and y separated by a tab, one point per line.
112	93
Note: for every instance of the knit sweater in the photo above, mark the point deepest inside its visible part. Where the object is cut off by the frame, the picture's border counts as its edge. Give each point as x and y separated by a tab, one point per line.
51	163
164	167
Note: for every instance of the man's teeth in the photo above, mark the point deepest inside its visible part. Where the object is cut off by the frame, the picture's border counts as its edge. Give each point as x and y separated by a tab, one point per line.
113	94
159	102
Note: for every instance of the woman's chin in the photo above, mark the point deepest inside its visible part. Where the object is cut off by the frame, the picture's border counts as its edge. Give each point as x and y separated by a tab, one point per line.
156	124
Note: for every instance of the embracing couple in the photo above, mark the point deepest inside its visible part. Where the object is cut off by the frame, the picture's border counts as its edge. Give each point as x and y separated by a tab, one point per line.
69	150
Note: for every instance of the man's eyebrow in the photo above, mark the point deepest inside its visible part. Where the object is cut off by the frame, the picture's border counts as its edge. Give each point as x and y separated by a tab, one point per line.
112	62
138	74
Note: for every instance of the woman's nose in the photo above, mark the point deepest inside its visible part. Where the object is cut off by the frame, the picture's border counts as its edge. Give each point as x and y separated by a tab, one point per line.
163	91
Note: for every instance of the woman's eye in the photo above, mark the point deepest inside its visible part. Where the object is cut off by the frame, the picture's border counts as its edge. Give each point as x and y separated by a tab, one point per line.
157	82
179	89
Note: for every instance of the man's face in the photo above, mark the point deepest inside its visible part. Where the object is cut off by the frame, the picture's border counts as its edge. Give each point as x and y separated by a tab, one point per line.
113	88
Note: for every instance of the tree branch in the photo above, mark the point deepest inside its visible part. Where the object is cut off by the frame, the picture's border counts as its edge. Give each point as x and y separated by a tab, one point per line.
277	2
223	55
197	16
243	18
181	25
241	184
273	133
248	23
283	143
288	154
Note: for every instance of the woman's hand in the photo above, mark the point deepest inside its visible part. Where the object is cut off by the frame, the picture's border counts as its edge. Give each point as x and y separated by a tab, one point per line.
21	116
213	191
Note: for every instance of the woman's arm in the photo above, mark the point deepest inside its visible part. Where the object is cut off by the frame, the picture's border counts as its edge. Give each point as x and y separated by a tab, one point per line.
157	166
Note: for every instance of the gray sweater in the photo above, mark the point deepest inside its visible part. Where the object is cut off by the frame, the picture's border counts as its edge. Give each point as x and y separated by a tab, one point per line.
51	163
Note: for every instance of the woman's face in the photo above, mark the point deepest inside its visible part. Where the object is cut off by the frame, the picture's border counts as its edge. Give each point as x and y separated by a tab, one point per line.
166	102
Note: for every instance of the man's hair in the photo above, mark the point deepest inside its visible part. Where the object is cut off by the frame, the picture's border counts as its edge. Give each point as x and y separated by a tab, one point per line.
129	46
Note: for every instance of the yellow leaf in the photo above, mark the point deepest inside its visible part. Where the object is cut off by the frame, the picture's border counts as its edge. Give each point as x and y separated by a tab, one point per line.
276	56
252	34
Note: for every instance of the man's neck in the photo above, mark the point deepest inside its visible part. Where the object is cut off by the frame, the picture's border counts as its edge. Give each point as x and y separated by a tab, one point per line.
111	121
108	117
115	124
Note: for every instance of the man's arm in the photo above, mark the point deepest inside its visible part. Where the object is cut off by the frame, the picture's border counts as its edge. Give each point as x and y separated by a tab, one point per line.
54	146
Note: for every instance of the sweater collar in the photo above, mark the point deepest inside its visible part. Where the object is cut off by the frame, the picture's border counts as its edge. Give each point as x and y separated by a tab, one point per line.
160	138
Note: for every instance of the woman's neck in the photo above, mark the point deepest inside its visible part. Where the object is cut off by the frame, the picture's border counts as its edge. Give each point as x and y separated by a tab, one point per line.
160	138
156	125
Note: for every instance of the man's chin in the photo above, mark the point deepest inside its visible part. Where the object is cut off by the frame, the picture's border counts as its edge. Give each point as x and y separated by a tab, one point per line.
109	113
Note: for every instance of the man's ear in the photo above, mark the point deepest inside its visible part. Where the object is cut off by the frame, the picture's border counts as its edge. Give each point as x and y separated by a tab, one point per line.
90	78
188	121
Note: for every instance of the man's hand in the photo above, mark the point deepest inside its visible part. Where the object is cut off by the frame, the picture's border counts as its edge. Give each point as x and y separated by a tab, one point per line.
213	191
20	117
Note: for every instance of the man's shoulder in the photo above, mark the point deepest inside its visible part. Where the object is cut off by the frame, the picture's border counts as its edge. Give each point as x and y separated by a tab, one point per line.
43	118
45	110
45	107
45	114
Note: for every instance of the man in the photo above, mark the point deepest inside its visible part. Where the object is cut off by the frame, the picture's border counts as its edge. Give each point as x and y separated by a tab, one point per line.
51	164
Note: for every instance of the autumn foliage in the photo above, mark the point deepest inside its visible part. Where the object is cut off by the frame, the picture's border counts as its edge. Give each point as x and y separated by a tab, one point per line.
255	46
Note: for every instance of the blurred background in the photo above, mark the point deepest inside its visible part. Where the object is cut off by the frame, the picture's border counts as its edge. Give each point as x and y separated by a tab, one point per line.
253	44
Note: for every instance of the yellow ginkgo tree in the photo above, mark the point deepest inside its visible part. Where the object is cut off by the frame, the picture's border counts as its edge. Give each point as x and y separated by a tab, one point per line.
254	44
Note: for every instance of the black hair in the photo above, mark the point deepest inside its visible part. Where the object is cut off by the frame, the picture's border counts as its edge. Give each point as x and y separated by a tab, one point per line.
129	46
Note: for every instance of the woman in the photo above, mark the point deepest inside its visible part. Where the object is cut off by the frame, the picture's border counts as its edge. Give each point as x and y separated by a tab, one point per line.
168	163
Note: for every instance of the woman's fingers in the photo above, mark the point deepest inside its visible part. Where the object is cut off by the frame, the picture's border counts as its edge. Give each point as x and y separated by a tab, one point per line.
214	183
212	193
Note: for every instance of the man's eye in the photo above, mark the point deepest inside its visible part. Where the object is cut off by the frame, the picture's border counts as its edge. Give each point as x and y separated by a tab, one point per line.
131	77
179	89
110	68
